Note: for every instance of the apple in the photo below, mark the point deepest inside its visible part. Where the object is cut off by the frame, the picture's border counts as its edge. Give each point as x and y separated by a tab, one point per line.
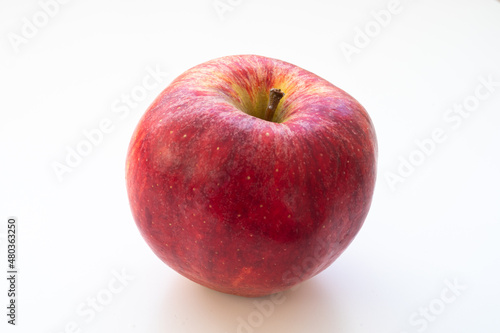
249	175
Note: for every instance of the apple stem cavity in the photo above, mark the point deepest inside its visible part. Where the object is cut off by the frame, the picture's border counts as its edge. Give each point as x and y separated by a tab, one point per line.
275	95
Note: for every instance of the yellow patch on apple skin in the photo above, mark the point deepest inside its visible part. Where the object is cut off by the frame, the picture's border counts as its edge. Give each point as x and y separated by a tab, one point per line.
245	272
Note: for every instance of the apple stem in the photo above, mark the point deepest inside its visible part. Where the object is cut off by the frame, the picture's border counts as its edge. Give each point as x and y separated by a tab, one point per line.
275	95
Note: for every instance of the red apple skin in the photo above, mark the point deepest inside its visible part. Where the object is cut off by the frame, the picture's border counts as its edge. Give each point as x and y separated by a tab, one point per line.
244	205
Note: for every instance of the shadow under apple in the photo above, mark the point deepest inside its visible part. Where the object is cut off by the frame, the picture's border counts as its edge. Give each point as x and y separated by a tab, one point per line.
308	306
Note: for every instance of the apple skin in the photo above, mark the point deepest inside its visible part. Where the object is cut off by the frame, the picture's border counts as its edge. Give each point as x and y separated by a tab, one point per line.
244	205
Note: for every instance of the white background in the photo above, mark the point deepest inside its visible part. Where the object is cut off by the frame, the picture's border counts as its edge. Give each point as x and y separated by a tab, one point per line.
435	226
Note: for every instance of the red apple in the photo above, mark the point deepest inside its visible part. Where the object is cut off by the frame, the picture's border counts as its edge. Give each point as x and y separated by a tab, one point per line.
247	189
